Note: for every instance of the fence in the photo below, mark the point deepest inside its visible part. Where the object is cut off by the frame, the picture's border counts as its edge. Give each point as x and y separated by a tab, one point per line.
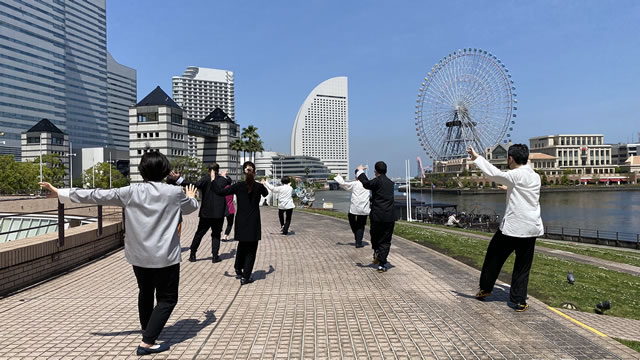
602	237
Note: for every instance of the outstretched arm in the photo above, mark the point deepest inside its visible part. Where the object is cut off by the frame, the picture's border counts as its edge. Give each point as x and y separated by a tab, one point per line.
343	184
114	197
492	172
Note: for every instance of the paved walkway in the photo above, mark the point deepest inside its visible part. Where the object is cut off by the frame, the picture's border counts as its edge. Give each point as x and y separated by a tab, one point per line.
584	259
316	296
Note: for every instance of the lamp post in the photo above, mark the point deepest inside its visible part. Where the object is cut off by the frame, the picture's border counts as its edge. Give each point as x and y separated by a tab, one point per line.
41	157
70	154
2	134
110	169
281	158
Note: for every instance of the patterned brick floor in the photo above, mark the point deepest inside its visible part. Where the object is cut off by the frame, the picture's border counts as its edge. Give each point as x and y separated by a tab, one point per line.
315	297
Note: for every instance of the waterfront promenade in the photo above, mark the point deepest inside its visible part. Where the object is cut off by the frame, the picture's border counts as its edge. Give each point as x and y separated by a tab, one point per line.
315	296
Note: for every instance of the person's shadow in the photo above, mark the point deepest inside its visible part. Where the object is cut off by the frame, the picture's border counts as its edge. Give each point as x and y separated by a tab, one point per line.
180	331
364	243
389	265
261	274
228	255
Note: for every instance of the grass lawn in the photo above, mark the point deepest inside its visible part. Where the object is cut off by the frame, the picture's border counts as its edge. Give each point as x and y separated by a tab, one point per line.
635	345
624	257
548	274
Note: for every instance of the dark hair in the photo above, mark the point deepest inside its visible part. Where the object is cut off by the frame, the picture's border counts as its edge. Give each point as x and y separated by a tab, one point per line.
249	178
381	167
355	171
285	180
154	166
215	167
519	153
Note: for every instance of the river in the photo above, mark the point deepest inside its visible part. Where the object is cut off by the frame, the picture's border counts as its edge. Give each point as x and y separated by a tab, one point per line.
602	210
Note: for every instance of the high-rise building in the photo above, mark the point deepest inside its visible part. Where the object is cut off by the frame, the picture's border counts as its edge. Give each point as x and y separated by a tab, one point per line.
321	128
121	95
208	95
54	66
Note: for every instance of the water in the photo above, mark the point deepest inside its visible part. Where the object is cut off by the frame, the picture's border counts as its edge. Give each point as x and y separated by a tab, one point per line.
605	210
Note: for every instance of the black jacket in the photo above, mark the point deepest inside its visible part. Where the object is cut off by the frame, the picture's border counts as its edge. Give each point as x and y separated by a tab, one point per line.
213	205
382	197
247	225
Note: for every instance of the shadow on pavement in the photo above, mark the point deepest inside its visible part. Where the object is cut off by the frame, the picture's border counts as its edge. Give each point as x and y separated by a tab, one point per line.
180	331
364	243
261	274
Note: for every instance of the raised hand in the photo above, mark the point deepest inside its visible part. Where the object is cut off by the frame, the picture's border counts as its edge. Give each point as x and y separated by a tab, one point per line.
223	173
503	187
474	155
190	190
174	175
51	188
360	167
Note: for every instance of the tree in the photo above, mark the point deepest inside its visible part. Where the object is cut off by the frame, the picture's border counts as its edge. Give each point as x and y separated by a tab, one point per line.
99	179
331	176
18	177
190	168
564	180
568	172
53	170
306	172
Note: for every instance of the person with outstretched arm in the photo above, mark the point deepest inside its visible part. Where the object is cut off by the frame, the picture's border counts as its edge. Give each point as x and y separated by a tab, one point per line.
359	207
285	202
520	226
153	214
382	214
248	227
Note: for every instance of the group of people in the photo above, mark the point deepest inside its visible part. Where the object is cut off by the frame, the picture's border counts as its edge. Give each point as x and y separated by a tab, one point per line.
153	245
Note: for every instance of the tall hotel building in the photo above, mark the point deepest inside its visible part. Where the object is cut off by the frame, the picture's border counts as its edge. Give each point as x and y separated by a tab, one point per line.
121	95
53	64
200	91
321	128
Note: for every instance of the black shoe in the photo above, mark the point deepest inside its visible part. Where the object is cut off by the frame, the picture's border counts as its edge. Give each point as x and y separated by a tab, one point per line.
238	274
158	348
359	246
381	268
216	259
481	294
192	257
523	306
244	281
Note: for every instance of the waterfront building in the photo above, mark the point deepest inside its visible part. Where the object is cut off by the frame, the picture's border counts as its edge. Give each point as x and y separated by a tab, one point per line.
121	95
156	123
45	138
582	153
496	155
277	165
208	96
632	164
321	128
621	152
544	163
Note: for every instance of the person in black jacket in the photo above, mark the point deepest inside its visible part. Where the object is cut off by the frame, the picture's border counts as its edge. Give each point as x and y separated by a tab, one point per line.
212	210
382	213
248	228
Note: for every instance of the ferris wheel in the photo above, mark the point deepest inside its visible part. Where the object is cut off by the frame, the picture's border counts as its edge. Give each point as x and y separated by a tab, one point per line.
466	99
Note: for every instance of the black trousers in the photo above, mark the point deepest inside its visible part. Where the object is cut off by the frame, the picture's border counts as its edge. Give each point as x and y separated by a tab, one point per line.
357	223
246	258
164	283
284	224
500	247
230	217
215	224
381	233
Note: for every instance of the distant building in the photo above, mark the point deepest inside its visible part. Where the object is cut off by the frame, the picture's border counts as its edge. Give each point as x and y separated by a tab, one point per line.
496	155
208	96
89	157
621	152
45	138
273	164
321	128
156	124
545	163
121	95
632	164
582	153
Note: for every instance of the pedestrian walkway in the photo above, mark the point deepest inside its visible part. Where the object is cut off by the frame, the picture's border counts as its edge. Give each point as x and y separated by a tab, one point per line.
315	297
567	255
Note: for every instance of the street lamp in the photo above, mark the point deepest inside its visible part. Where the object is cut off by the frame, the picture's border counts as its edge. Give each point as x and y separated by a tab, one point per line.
41	157
281	158
70	154
2	134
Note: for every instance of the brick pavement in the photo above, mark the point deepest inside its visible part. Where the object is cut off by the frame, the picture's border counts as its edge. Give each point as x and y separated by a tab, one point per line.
315	296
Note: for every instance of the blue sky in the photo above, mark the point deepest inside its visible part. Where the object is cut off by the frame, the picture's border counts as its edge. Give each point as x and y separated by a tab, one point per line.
576	64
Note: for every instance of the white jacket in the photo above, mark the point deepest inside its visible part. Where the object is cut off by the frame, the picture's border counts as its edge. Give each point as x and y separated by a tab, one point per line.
522	215
359	196
285	200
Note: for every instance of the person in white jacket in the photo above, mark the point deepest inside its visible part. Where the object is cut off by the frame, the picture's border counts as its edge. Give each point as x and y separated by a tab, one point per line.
359	208
285	202
520	226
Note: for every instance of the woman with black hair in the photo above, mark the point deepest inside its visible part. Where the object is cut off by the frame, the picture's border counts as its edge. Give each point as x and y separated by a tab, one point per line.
285	202
153	214
248	228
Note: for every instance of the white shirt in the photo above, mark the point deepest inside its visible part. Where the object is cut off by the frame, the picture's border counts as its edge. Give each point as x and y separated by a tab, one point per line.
285	200
452	220
359	196
522	215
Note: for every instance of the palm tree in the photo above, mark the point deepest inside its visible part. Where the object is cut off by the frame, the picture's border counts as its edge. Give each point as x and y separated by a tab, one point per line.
252	141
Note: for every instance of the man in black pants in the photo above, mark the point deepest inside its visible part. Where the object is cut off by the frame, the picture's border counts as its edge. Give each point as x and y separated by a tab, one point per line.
212	210
382	214
520	225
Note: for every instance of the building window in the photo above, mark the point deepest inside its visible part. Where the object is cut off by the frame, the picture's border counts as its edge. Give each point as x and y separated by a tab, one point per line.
57	140
157	134
176	119
145	117
33	140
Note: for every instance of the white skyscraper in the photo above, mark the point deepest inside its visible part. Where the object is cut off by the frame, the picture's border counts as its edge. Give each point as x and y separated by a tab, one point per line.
322	126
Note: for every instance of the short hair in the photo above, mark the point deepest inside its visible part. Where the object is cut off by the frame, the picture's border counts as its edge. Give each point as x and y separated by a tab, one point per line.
215	167
154	166
285	180
381	167
355	171
519	153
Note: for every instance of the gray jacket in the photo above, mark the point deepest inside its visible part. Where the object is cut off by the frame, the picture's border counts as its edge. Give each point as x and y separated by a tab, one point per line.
153	211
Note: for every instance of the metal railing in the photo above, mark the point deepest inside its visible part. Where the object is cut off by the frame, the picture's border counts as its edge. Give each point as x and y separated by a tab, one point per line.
597	235
60	211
